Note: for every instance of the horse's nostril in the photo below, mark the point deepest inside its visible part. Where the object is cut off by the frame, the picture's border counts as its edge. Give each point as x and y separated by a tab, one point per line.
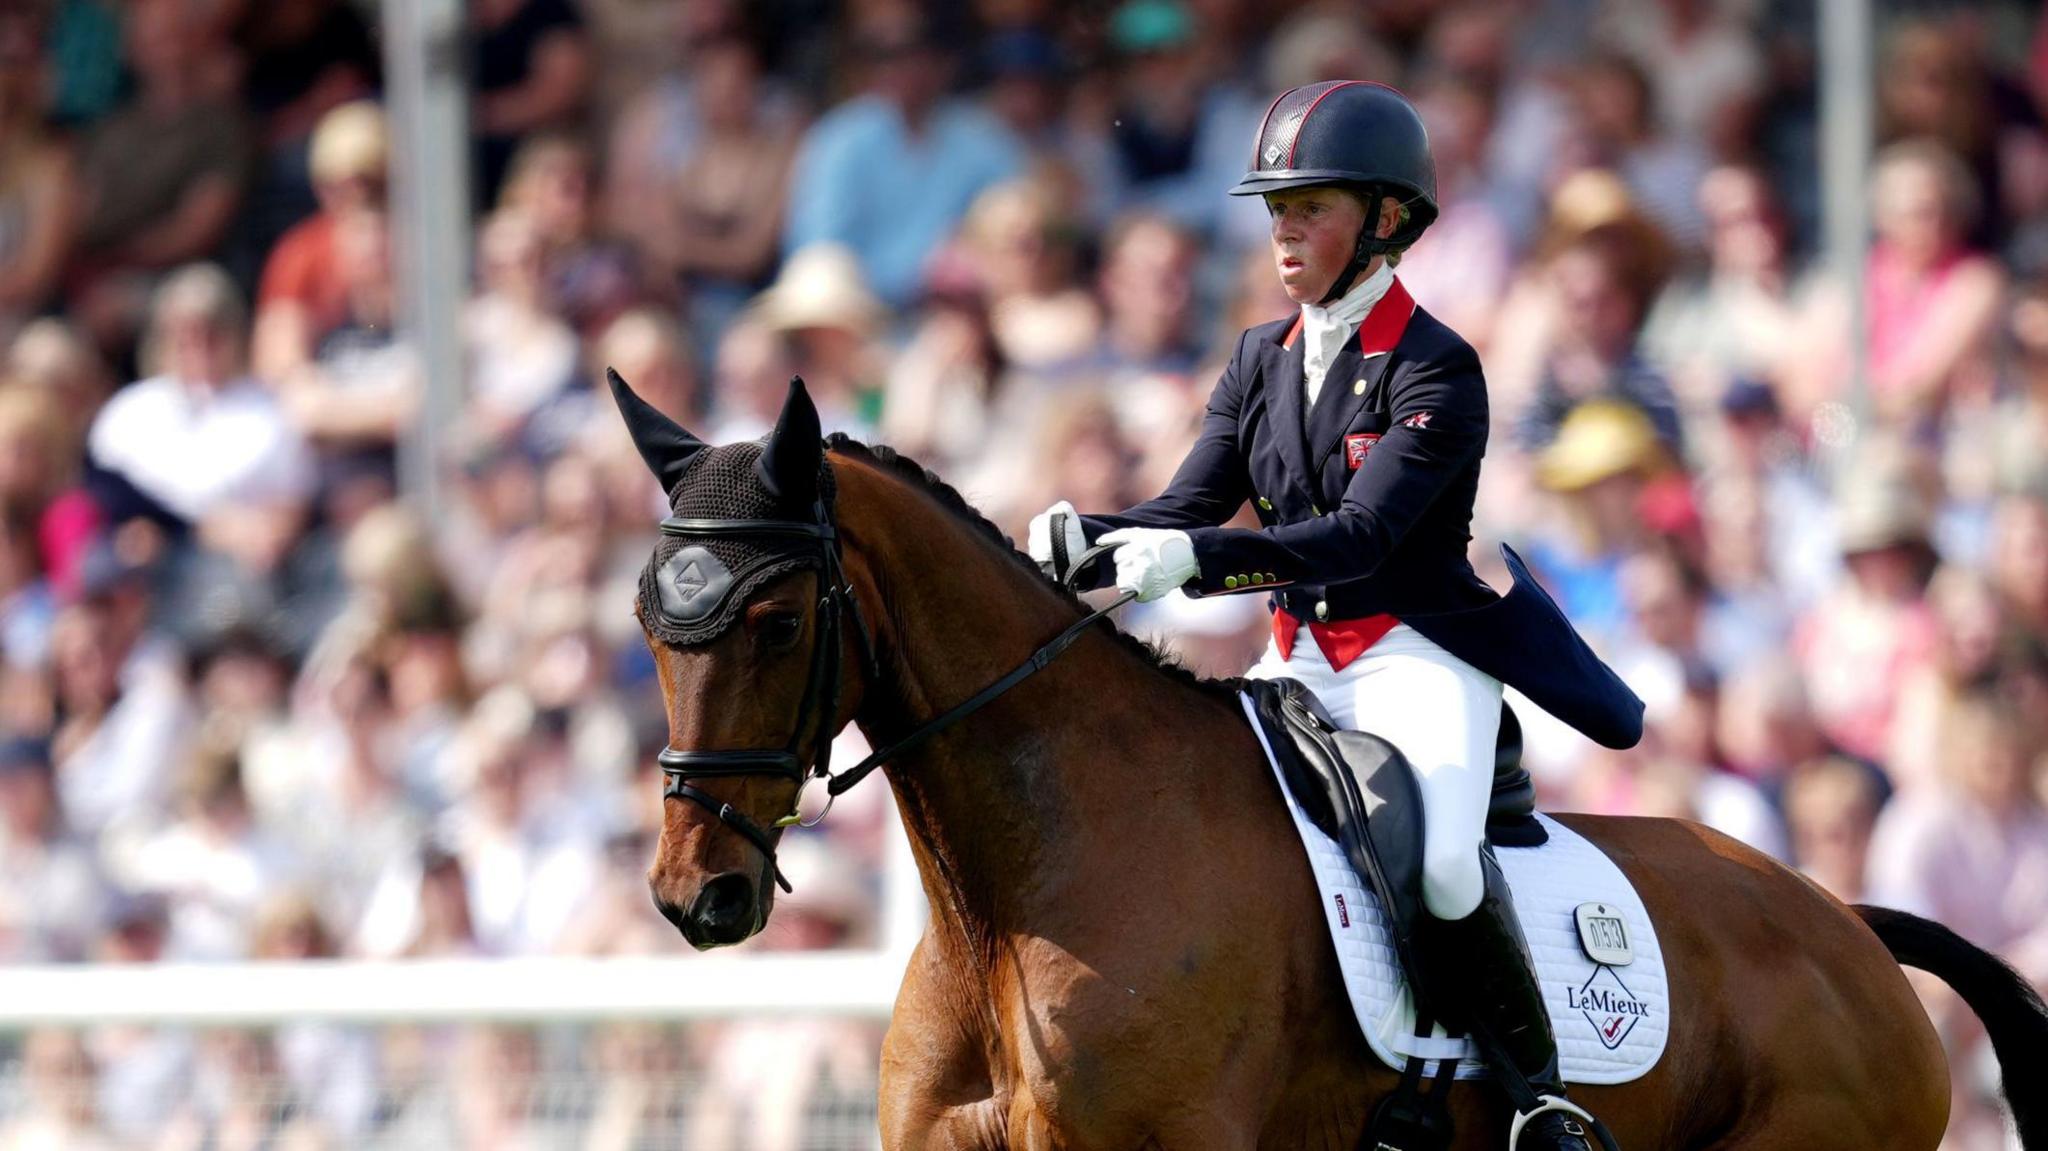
725	905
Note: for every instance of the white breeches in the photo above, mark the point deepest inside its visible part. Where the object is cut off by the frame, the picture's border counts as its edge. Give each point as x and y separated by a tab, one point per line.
1444	715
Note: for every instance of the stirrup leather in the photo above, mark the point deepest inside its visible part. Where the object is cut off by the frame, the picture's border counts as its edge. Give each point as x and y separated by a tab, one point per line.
1546	1103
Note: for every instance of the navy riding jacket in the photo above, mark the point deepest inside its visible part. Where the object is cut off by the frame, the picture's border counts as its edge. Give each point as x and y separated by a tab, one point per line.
1365	507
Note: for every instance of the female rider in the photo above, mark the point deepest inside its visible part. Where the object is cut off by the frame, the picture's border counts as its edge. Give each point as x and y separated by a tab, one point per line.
1356	429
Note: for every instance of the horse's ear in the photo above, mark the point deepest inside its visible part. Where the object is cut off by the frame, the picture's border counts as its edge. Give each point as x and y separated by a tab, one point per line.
789	464
666	446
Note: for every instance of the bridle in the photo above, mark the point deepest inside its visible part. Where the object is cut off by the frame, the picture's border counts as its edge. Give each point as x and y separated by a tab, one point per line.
822	687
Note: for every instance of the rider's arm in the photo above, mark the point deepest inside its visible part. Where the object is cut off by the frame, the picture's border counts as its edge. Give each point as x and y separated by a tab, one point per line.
1211	483
1437	429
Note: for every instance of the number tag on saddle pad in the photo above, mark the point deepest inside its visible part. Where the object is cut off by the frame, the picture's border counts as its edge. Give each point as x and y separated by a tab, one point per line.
1357	447
1603	934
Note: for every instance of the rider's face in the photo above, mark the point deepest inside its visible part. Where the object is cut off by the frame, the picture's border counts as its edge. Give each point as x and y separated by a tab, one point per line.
1314	233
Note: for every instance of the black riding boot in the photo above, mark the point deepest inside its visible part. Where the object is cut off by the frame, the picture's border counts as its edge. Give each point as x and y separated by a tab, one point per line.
1484	982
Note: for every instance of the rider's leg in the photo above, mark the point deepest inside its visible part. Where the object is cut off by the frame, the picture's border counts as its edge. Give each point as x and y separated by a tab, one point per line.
1444	715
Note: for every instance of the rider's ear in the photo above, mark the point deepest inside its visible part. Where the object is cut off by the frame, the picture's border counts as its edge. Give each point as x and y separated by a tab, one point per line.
789	463
663	443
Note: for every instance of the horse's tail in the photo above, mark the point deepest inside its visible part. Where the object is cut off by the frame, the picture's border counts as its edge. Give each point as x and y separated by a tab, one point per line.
2012	1012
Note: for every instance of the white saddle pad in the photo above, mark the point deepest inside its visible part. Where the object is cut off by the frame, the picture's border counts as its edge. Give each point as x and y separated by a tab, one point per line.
1611	1021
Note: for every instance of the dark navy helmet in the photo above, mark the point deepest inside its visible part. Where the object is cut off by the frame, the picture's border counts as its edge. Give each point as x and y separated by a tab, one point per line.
1351	133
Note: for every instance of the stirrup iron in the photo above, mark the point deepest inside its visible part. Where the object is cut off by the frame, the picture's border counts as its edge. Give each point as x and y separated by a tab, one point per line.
1591	1128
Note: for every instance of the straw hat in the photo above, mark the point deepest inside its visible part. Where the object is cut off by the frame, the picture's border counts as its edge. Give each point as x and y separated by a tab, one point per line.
820	287
1600	439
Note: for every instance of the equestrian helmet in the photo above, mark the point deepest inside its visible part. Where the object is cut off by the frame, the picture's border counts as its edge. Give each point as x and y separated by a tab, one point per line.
1350	133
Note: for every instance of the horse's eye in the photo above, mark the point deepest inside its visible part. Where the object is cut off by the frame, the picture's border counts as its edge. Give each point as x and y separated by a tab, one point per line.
779	630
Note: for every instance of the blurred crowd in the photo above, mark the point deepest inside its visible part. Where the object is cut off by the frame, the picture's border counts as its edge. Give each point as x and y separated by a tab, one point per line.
253	705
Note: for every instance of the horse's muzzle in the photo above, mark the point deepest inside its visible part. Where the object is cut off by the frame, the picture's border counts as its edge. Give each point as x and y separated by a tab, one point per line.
725	912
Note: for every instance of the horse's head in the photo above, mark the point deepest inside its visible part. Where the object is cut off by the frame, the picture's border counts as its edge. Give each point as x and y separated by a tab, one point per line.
747	612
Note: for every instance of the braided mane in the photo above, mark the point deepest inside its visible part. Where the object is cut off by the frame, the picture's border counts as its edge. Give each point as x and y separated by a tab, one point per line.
924	479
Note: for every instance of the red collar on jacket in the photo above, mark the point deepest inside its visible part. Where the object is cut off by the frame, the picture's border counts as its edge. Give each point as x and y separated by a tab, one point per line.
1382	328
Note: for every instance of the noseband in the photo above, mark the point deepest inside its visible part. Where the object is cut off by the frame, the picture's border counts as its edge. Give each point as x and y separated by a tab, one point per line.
822	688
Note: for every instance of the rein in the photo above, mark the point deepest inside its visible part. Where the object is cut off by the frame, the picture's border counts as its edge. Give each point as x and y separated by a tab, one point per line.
822	690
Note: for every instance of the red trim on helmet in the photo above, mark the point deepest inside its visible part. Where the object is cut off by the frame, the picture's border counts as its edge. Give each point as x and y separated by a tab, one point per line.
1303	122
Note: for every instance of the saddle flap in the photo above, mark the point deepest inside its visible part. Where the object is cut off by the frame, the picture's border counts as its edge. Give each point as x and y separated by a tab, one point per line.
1357	789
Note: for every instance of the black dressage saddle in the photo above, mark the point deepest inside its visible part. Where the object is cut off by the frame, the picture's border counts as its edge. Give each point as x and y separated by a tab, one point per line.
1360	791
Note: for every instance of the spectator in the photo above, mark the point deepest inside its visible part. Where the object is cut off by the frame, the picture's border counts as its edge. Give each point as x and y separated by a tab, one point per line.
420	909
943	152
1018	252
1706	68
947	385
1973	852
1968	642
27	607
332	1071
715	226
1765	508
1743	316
1932	85
1029	89
1177	135
1604	289
2015	428
1147	285
51	907
199	444
33	469
60	1112
1617	112
38	193
304	61
589	278
213	862
51	356
821	306
304	291
1860	644
1600	463
1930	301
354	399
521	354
662	124
232	1100
1461	266
529	71
162	177
122	716
1832	807
2018	563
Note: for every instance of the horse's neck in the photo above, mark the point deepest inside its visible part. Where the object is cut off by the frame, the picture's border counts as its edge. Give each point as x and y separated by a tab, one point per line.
994	806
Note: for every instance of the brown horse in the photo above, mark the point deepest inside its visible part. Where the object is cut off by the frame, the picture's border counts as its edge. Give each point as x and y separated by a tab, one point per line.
1124	949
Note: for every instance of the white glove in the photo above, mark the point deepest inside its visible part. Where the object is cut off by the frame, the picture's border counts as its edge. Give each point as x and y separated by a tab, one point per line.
1038	538
1152	561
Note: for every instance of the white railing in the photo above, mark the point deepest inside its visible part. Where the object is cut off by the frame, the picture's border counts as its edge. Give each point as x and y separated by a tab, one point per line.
451	990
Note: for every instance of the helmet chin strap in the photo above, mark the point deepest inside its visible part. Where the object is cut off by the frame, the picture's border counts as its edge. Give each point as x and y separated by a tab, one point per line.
1361	256
1369	245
